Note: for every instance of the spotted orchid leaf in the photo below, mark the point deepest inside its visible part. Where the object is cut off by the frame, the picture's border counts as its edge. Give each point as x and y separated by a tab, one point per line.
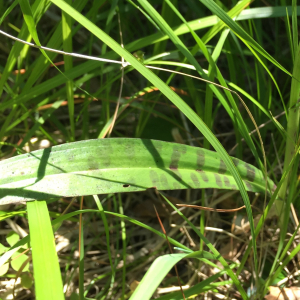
118	165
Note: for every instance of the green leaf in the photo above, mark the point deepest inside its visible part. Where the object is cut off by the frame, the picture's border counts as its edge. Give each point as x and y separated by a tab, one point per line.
26	280
5	214
17	261
118	165
47	277
3	248
156	273
159	269
12	238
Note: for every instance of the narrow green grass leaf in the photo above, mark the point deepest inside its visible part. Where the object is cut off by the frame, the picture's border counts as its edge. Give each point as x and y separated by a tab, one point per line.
106	227
198	288
47	277
7	12
157	271
294	25
235	12
245	37
267	210
292	126
290	35
5	214
155	274
124	254
67	47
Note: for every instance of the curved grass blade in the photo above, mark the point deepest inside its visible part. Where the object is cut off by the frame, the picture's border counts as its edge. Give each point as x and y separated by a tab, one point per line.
118	165
159	269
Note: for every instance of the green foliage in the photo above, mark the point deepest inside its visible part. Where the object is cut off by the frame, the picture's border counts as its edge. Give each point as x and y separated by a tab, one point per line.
19	261
91	98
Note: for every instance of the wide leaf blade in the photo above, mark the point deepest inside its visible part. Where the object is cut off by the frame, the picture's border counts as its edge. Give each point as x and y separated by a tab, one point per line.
118	165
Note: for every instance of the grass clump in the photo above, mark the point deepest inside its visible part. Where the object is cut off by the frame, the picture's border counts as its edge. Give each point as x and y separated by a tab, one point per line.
221	77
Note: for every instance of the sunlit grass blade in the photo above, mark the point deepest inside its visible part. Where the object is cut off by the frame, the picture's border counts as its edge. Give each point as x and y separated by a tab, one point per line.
155	274
160	268
47	277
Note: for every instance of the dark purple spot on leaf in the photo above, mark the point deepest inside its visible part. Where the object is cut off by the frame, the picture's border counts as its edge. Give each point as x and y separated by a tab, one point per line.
235	161
203	175
250	172
249	186
222	168
200	158
154	178
164	182
126	185
176	185
173	167
218	180
226	181
195	180
177	151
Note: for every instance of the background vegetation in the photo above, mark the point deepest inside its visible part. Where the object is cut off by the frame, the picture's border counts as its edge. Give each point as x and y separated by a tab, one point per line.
101	254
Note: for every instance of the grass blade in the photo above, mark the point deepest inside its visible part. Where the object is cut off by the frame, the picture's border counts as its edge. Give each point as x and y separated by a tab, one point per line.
48	283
